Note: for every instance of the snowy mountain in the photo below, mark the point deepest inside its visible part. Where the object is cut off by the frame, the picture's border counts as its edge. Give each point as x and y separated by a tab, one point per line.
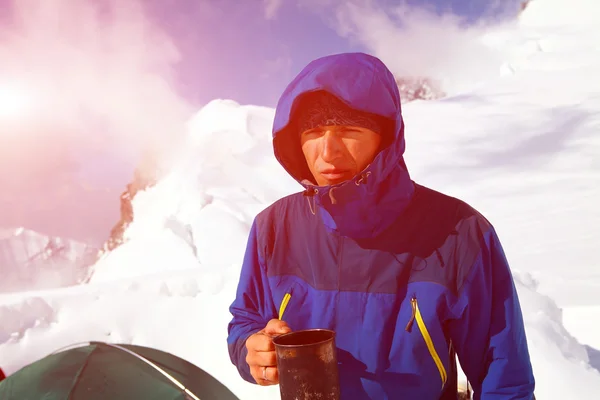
522	148
418	88
31	261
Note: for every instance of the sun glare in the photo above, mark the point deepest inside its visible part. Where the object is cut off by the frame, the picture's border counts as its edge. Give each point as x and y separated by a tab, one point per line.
13	102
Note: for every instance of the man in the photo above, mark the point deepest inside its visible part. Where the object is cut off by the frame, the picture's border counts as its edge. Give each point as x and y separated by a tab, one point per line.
406	276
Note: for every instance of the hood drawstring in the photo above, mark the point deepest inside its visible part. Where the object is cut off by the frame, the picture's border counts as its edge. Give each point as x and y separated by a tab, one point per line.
331	197
310	193
363	178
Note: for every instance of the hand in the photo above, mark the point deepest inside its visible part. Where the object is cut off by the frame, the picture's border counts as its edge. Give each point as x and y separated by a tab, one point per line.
261	353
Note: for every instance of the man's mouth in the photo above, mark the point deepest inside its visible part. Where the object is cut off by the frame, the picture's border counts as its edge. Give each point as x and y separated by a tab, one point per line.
334	174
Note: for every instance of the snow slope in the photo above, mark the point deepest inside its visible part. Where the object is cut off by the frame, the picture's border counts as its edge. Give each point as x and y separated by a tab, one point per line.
523	148
30	261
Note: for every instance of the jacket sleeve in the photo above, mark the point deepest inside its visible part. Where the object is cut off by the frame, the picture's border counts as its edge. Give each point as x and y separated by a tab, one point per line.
250	308
488	331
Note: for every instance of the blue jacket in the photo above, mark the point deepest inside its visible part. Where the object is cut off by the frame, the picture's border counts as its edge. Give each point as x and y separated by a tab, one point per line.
406	276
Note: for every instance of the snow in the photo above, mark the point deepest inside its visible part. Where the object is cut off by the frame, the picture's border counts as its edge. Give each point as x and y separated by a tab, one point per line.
522	148
29	260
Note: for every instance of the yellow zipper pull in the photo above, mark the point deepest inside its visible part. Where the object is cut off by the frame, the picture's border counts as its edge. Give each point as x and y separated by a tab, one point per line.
413	303
284	303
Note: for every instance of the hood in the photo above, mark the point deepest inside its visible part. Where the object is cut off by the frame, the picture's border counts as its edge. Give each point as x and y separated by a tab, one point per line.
367	204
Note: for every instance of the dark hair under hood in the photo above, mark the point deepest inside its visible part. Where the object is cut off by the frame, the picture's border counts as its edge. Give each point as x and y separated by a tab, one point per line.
365	205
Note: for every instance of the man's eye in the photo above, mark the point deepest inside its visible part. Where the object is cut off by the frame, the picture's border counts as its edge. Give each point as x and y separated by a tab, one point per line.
351	132
312	133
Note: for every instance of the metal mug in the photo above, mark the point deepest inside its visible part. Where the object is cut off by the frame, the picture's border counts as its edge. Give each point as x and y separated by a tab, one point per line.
307	365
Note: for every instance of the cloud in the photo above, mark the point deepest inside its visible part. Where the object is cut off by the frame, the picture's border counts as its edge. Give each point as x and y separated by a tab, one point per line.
97	76
93	69
420	42
272	7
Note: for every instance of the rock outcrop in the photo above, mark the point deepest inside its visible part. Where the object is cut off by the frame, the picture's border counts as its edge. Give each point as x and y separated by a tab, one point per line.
418	88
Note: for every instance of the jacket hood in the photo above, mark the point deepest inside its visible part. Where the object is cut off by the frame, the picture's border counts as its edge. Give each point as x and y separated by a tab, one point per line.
365	205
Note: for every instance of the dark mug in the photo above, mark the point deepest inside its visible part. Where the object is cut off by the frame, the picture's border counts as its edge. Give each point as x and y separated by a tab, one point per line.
307	365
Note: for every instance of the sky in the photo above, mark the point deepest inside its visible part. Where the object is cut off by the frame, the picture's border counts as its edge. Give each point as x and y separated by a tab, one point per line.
91	89
249	50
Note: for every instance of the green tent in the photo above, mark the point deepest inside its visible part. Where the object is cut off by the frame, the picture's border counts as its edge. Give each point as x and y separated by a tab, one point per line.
97	370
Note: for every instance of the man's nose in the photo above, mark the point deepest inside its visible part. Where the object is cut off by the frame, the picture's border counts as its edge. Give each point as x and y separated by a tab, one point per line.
331	146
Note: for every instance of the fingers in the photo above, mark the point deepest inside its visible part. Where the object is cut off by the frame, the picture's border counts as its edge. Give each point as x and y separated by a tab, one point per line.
277	327
265	376
261	358
260	342
261	353
271	374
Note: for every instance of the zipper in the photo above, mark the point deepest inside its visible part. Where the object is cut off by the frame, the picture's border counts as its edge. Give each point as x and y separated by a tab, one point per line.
416	316
284	303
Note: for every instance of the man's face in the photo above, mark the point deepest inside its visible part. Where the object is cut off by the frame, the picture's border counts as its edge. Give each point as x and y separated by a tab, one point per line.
337	153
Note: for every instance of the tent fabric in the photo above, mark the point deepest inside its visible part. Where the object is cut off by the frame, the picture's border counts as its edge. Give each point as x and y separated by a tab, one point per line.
102	371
